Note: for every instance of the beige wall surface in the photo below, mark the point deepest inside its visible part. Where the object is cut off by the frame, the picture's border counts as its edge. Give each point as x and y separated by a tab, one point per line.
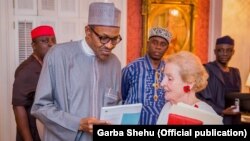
235	22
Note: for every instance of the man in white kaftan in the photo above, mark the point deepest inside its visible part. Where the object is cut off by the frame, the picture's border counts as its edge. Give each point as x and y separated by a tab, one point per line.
80	77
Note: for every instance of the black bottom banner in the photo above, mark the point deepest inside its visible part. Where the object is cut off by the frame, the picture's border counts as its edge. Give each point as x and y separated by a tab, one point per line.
163	132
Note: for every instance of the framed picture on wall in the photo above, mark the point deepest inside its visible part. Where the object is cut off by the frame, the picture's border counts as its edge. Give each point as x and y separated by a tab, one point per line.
178	16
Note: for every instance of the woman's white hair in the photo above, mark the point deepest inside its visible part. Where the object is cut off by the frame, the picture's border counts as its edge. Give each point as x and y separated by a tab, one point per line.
191	69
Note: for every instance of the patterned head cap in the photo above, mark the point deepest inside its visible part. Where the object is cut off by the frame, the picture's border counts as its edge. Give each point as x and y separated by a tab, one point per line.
160	32
104	14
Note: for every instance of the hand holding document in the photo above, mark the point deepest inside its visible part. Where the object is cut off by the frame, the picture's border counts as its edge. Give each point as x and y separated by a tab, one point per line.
128	114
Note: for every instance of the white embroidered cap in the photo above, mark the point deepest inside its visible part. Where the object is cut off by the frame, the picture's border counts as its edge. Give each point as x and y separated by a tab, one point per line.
160	32
104	14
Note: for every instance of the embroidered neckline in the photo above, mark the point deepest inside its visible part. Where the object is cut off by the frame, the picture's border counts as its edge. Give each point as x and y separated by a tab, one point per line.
157	82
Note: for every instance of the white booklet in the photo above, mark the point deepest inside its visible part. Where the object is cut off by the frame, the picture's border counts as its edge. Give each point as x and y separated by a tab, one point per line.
195	113
128	114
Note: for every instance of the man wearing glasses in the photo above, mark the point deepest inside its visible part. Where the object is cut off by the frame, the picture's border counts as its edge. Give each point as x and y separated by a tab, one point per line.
80	77
26	78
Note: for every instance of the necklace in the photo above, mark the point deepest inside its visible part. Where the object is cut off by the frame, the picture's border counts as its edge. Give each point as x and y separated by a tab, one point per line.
39	61
156	85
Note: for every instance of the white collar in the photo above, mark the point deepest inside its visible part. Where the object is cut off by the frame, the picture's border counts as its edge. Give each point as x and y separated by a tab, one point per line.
87	49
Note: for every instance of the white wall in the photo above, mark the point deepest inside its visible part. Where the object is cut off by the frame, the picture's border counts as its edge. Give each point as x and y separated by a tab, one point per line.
215	21
9	59
7	123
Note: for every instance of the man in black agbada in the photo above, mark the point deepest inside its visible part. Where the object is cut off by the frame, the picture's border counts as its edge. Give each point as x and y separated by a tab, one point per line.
222	80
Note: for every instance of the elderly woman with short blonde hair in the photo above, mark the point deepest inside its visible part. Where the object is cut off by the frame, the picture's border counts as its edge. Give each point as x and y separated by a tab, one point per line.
184	76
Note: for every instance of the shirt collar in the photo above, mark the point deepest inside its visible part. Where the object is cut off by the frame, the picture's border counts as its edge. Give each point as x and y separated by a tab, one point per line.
87	49
149	65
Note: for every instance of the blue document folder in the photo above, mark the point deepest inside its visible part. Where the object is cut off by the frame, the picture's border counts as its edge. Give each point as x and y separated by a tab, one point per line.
128	114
